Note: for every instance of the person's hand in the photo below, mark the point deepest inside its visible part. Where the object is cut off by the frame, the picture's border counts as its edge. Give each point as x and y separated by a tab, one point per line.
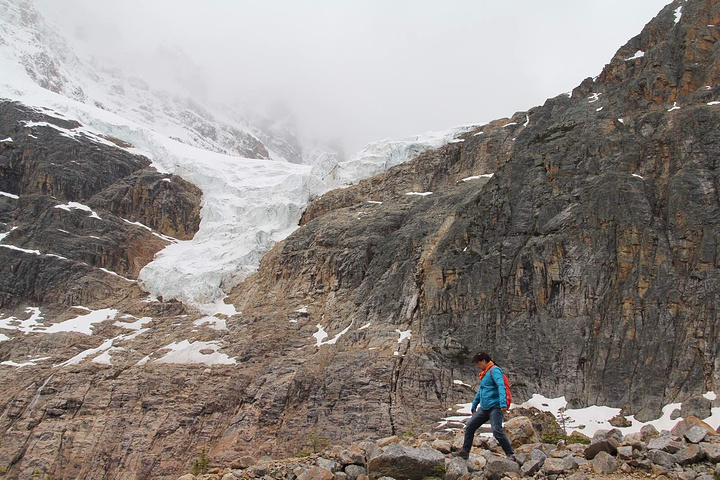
472	410
504	409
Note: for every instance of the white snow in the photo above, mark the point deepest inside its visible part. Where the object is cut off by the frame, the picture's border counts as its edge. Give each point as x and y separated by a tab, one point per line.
303	309
598	109
674	107
678	14
593	418
476	177
527	120
81	324
187	352
638	54
509	124
713	103
460	382
29	363
374	202
7	140
18	249
638	176
4	338
9	195
621	120
367	325
78	206
321	335
419	194
594	97
379	156
3	235
404	335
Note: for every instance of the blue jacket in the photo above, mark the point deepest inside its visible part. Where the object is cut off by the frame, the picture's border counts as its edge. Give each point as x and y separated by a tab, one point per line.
491	393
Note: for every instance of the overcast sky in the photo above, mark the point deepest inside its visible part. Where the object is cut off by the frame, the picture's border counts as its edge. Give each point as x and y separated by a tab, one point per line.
363	70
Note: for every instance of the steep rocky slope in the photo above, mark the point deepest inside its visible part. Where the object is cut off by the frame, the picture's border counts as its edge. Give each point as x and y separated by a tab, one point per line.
587	263
577	242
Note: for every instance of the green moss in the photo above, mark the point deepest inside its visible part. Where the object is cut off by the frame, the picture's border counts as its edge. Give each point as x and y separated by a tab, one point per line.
555	438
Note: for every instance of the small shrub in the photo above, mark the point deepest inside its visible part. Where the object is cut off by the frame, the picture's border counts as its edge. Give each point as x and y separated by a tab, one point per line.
439	470
554	439
202	464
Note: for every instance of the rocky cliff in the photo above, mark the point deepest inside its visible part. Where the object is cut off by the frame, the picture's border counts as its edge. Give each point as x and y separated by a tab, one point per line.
577	242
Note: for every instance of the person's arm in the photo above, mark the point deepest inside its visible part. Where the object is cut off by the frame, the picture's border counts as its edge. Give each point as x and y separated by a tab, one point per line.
500	382
476	401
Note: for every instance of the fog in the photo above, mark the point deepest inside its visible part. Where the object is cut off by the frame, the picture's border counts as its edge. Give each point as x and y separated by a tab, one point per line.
363	70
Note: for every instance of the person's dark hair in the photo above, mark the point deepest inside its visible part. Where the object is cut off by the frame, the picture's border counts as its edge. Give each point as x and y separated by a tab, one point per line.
480	356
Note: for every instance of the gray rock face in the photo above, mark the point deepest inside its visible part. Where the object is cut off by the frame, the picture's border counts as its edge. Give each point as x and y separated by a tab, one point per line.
77	201
696	434
406	463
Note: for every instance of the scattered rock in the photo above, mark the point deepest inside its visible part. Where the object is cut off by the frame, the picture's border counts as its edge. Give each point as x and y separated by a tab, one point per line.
476	462
354	471
664	443
533	463
661	458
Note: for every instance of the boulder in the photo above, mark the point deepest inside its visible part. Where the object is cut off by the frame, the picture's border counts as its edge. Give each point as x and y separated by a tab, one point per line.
625	452
475	462
712	451
519	431
444	446
609	445
697	406
316	473
533	463
665	443
455	468
661	457
696	434
499	467
354	471
648	432
686	424
406	462
340	476
558	466
689	455
604	463
327	464
187	477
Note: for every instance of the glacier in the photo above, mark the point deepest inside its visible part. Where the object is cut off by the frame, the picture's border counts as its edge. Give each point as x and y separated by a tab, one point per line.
248	204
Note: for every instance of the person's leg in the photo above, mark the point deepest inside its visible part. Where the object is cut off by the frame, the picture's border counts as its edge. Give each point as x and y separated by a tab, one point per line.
496	419
481	416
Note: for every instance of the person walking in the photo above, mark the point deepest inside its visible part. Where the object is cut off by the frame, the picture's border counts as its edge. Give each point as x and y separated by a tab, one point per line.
491	400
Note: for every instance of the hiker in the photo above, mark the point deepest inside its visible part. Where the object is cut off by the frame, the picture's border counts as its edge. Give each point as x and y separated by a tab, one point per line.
491	398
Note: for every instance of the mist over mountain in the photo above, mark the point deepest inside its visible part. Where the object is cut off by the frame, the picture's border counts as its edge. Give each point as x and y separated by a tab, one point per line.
359	72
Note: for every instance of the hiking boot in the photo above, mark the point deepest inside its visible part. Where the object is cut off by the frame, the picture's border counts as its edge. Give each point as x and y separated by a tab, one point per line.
461	453
512	458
